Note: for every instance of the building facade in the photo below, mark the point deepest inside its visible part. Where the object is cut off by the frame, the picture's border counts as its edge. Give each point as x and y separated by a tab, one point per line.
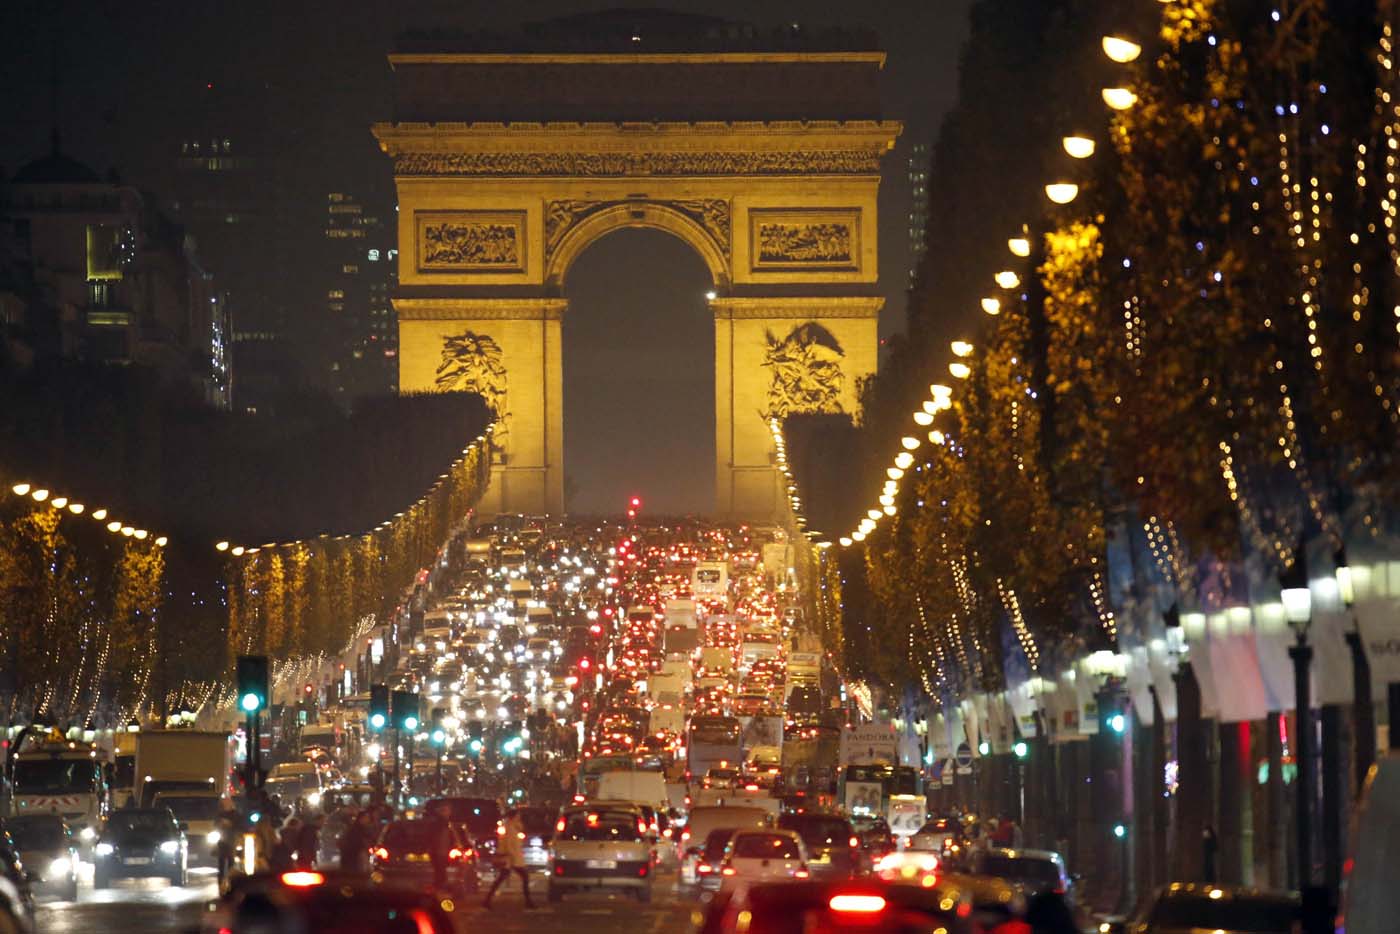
92	270
360	280
920	161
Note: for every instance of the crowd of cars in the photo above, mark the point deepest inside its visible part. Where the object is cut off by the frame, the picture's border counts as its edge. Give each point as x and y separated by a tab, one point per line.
644	707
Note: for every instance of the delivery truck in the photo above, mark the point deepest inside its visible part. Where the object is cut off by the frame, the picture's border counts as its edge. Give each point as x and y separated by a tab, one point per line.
183	760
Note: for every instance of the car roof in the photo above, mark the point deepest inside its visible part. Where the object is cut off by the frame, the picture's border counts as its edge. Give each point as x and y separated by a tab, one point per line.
1020	853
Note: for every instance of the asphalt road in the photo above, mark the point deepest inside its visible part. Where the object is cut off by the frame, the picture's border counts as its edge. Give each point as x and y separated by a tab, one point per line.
152	906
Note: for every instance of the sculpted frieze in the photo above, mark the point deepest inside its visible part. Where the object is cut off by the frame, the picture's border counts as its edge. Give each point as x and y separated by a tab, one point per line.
791	162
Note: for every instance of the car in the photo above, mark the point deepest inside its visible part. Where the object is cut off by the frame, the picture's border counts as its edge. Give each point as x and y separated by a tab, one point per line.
333	903
706	868
835	850
875	835
763	856
49	852
937	835
16	894
539	826
836	908
199	812
140	843
1031	871
720	777
1182	907
600	848
477	819
704	820
404	853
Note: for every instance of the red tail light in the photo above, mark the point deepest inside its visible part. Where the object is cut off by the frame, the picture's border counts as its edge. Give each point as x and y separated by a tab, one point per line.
704	869
454	853
864	904
685	835
729	871
802	874
855	842
559	825
380	852
302	880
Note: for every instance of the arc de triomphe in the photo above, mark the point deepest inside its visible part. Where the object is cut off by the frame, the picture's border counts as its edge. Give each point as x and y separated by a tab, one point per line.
762	152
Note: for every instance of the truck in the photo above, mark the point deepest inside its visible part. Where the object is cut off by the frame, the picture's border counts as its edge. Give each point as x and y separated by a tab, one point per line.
710	579
804	667
183	760
64	777
681	613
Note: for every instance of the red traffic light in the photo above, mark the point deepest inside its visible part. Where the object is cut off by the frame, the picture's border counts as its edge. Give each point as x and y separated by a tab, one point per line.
584	664
309	689
636	502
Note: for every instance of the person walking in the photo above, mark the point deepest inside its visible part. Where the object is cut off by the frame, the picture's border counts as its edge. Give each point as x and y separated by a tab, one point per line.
227	824
308	842
512	852
355	843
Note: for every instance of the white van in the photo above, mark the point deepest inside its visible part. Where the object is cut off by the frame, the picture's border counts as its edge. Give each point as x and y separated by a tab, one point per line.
639	787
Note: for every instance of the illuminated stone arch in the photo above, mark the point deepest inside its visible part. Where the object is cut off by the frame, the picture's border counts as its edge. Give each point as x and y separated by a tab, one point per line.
764	158
606	217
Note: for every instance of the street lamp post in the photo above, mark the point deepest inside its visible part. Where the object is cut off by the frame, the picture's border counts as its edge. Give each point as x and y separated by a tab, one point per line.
1297	608
1363	715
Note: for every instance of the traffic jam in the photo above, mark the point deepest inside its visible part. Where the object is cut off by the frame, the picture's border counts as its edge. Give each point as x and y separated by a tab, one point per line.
557	713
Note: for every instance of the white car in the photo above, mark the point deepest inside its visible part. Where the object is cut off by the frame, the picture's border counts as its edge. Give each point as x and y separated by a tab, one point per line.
763	856
601	848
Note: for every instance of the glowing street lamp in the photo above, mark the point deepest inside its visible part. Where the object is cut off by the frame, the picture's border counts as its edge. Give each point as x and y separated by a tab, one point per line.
1119	98
903	460
961	348
959	369
1007	279
894	473
991	306
1121	50
923	419
909	444
1019	246
858	536
1062	192
1079	147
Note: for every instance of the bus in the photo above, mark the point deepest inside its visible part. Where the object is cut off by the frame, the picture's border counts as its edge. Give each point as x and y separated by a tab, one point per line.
710	741
895	793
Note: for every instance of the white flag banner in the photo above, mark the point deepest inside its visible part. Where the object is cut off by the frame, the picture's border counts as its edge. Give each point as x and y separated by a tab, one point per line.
1379	623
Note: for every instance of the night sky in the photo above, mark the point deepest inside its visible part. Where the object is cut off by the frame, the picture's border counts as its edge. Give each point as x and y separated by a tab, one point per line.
308	78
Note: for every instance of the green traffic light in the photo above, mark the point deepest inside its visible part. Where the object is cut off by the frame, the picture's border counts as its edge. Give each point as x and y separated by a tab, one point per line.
377	721
439	737
250	702
410	723
1021	749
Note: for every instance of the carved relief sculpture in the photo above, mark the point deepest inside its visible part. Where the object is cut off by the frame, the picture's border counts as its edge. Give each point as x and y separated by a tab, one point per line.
810	162
710	213
800	239
471	362
471	241
806	372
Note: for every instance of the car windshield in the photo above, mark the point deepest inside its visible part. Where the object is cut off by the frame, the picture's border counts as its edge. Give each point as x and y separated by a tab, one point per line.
764	846
410	834
479	814
146	821
601	826
339	915
1040	873
816	830
191	807
715	843
536	821
35	776
1243	915
36	833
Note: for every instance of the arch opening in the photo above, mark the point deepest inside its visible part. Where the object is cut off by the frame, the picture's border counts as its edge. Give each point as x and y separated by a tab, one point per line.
638	352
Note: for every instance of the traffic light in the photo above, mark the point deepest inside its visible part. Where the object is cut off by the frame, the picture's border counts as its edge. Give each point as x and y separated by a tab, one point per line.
378	707
406	711
251	671
1021	749
439	732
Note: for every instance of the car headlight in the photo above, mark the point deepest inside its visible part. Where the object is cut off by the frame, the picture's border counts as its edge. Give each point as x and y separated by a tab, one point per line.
104	849
59	867
87	834
213	837
170	847
314	798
